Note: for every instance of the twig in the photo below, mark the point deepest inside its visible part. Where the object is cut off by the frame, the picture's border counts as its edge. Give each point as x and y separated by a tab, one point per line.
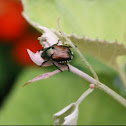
78	51
100	85
116	96
84	95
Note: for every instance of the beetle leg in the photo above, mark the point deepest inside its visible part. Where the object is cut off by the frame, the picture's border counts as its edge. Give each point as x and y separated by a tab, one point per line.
44	62
68	67
55	64
57	42
71	55
75	46
40	50
60	32
69	46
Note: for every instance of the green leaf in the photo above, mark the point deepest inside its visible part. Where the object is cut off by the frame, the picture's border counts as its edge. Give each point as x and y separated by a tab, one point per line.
104	20
93	47
103	50
85	18
94	18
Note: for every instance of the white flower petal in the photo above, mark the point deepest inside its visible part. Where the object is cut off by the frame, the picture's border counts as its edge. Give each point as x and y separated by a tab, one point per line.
45	44
72	118
67	116
51	38
37	59
63	110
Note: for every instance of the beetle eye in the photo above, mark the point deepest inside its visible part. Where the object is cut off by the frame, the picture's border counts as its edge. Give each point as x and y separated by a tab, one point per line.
52	47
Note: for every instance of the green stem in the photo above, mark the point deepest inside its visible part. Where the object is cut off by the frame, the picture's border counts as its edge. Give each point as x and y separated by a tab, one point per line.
116	96
78	51
100	85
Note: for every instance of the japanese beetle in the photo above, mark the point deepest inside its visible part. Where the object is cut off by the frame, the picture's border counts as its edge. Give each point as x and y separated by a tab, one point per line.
60	54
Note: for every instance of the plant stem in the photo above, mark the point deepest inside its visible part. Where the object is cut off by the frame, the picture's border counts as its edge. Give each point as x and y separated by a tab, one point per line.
78	51
82	74
100	85
84	95
116	96
88	65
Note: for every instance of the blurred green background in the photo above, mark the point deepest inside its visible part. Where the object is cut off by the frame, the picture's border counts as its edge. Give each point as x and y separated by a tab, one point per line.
36	103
